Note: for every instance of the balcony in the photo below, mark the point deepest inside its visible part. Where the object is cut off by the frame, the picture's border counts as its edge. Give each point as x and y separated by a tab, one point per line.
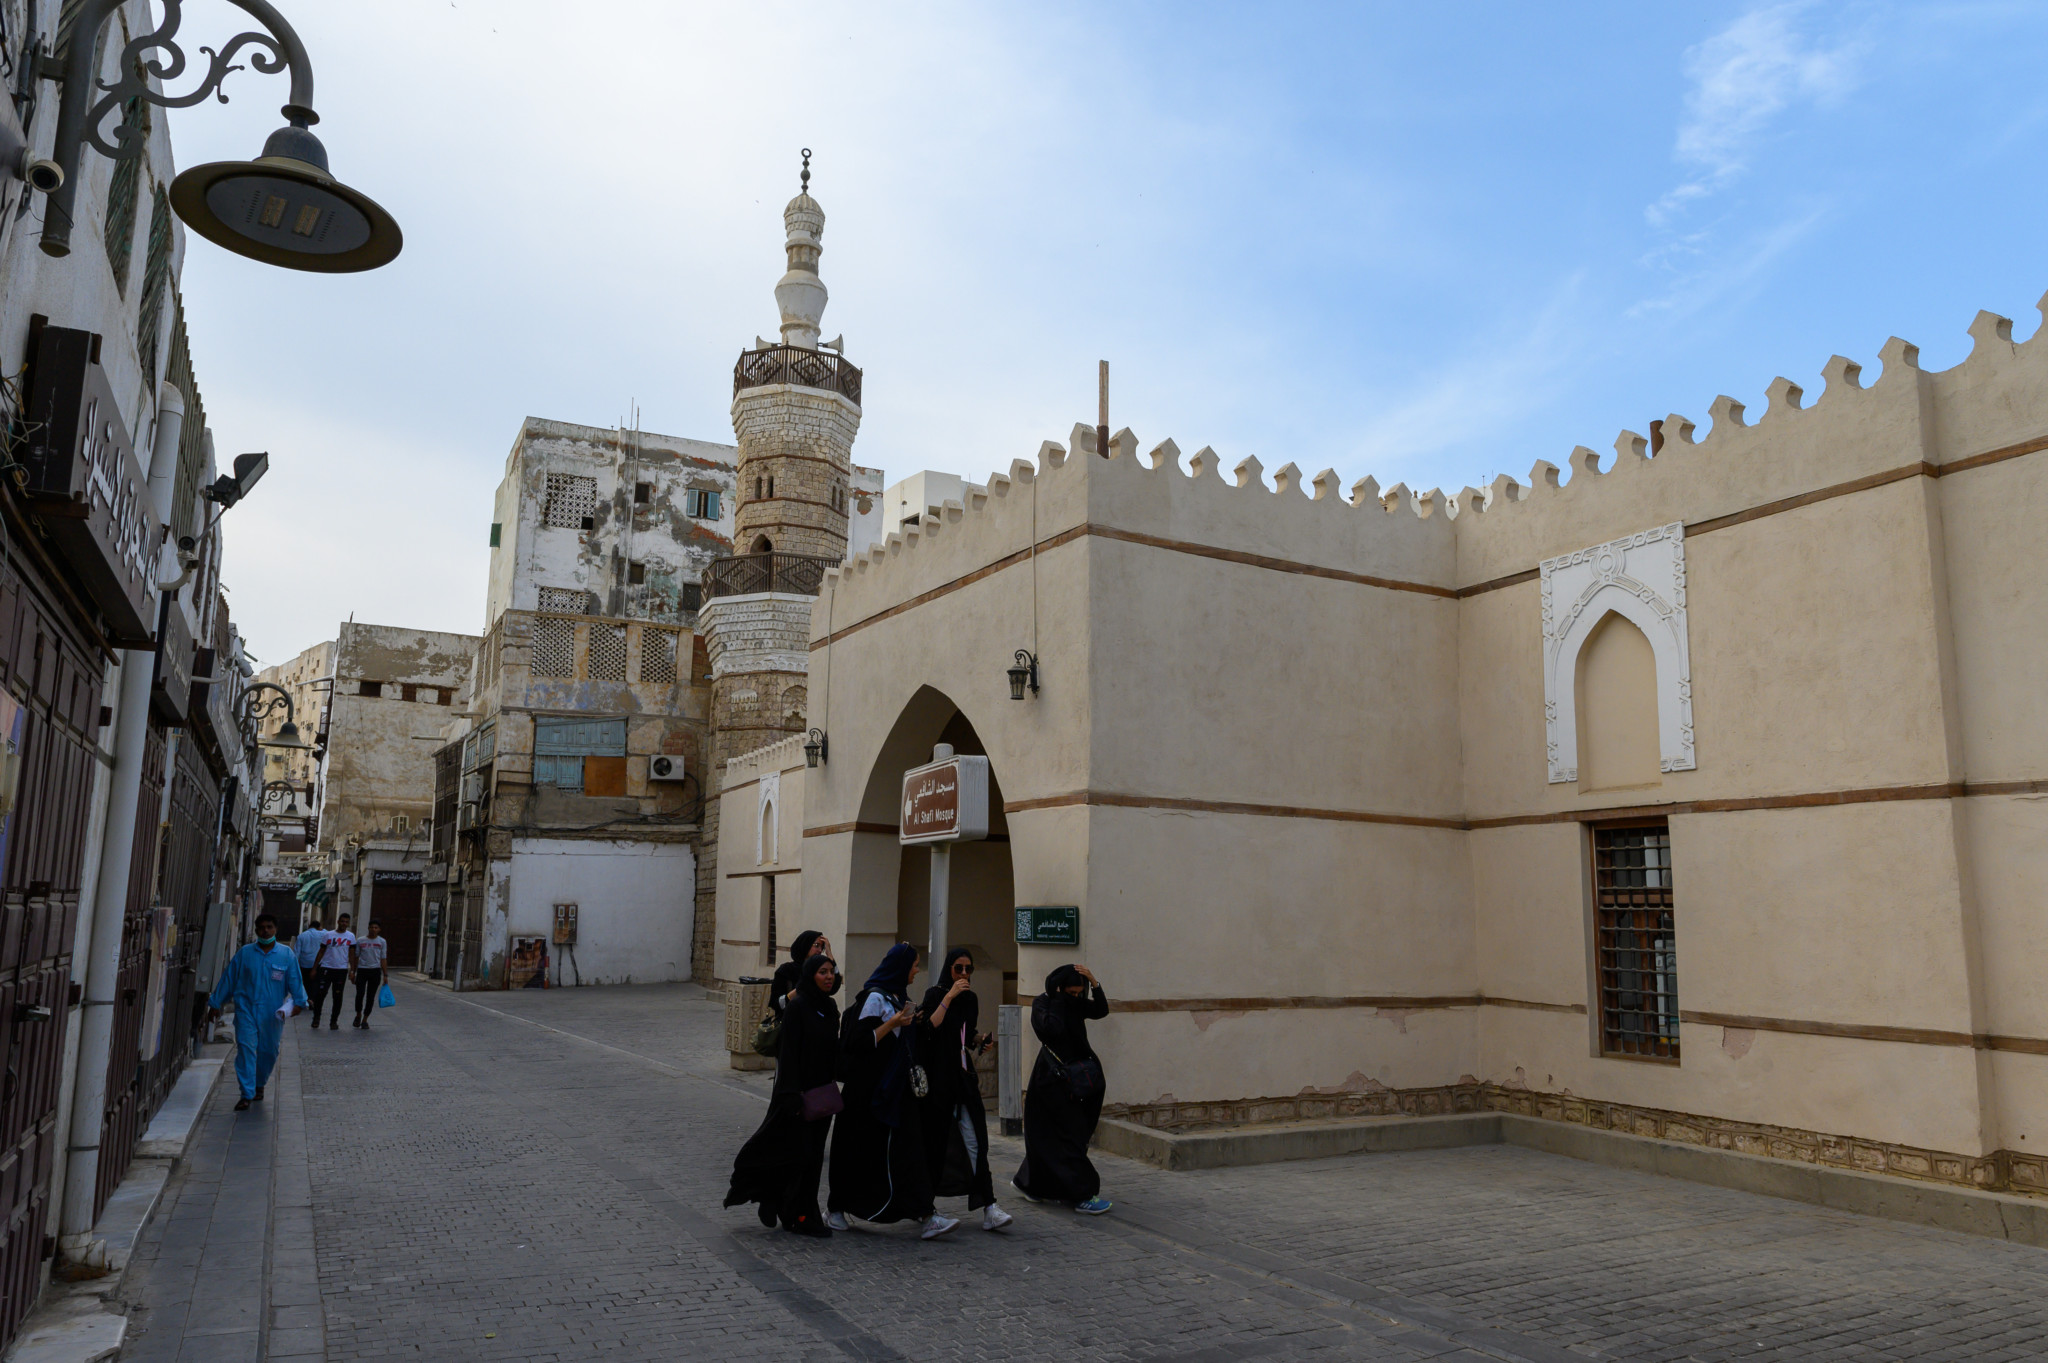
794	364
746	574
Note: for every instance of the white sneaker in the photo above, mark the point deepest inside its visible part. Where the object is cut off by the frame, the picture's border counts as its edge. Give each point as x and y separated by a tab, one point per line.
836	1220
936	1225
994	1217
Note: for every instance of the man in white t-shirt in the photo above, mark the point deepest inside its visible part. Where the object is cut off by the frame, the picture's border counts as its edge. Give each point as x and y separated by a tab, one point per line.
335	954
371	949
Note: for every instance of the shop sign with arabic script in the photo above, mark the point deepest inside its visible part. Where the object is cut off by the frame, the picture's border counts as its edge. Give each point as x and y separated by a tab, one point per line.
945	801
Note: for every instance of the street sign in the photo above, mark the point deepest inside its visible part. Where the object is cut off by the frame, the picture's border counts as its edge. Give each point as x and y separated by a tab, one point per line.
1048	925
945	801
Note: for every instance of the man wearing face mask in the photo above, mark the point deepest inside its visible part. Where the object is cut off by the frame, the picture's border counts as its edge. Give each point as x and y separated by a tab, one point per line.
263	980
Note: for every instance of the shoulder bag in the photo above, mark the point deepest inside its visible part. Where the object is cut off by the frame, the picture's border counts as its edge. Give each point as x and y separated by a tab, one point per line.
1083	1078
768	1035
822	1102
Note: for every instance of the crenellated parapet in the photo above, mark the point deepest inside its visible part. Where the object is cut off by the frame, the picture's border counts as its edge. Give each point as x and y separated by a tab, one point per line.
1855	430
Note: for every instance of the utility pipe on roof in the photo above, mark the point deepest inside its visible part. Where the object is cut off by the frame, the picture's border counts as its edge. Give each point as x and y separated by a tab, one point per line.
75	1243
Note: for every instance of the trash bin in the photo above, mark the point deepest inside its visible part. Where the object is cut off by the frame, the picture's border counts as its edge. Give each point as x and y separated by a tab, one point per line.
746	1003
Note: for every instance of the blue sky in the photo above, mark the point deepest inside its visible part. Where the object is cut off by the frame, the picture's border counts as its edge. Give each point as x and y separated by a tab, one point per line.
1426	243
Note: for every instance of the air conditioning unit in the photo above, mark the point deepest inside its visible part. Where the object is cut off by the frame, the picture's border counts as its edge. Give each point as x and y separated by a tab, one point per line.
664	768
465	817
473	787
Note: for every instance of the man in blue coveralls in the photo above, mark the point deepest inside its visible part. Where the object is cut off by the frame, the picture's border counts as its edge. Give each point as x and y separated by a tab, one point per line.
259	979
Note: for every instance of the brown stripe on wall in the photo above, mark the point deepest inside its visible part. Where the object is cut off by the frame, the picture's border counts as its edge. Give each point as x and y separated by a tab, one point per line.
948	588
1278	565
1852	1031
777	871
1260	1005
1805	800
1491	1002
857	826
1122	801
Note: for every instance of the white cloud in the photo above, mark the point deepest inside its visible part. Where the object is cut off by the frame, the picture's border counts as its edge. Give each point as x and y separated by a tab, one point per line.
1741	80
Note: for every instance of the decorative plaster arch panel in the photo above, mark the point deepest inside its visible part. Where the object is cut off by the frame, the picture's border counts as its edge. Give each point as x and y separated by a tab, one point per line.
1640	577
766	831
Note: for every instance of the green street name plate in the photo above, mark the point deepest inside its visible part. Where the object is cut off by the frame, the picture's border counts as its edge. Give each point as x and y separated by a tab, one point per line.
1048	925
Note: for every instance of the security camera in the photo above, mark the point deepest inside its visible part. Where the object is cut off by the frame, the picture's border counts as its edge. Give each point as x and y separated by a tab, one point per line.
42	173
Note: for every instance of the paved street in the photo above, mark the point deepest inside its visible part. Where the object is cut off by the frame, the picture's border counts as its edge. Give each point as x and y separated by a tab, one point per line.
537	1176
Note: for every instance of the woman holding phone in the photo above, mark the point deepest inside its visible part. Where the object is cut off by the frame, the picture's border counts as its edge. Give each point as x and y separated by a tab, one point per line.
955	1121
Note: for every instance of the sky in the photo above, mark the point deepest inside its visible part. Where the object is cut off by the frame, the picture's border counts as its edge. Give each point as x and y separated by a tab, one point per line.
1426	243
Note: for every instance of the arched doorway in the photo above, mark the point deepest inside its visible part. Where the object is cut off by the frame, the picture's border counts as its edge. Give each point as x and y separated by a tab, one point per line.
890	891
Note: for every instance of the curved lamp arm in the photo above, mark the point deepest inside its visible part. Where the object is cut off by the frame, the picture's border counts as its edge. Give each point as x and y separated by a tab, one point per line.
80	116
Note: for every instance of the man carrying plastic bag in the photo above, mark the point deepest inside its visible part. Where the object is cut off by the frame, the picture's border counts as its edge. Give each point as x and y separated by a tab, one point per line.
263	980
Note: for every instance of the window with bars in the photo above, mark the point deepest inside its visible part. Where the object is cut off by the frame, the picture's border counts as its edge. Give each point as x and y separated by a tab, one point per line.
657	655
567	600
607	653
1636	941
571	501
554	648
693	596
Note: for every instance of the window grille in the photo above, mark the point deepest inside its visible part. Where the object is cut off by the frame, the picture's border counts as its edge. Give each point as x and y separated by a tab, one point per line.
657	655
1637	942
572	501
370	688
567	600
768	950
693	596
607	653
554	648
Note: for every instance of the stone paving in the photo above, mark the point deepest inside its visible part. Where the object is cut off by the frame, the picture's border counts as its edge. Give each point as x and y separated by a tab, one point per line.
537	1176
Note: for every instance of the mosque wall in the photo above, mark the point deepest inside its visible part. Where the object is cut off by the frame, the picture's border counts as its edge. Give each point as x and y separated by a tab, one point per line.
1291	756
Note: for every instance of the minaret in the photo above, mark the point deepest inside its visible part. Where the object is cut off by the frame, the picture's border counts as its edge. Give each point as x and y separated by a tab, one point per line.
795	411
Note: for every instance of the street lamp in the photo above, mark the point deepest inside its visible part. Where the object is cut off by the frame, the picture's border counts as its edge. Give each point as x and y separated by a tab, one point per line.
283	208
1024	672
255	709
817	749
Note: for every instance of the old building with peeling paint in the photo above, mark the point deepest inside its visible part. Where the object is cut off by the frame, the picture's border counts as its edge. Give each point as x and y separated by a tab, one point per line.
569	789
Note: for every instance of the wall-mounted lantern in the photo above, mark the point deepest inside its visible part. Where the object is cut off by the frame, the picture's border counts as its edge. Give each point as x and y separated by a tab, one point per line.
817	748
1023	673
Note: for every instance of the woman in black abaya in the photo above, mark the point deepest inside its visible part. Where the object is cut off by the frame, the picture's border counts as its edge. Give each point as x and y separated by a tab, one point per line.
955	1121
779	1166
806	945
878	1165
1064	1100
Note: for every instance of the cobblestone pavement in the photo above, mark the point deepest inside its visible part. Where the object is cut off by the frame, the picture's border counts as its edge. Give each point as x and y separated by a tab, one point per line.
537	1176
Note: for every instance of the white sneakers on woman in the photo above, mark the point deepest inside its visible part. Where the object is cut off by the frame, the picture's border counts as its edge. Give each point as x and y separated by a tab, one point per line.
994	1217
836	1220
936	1225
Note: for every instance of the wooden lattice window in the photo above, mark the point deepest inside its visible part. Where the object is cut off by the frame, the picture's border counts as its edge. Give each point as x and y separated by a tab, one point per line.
607	653
1637	940
566	600
156	282
657	655
554	648
571	501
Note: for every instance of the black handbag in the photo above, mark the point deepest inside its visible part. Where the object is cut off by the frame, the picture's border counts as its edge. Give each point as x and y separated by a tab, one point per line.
1083	1078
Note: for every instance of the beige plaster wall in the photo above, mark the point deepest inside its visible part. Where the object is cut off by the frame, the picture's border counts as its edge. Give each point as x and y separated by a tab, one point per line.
738	928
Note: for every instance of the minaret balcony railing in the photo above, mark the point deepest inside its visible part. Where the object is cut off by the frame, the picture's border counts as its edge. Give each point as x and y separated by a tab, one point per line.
748	574
795	364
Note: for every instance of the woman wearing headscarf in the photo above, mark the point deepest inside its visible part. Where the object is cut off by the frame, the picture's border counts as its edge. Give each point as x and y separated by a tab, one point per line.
779	1166
1064	1100
806	945
878	1165
955	1122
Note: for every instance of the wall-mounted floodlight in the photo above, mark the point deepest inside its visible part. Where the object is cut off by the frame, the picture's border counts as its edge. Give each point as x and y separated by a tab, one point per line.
230	488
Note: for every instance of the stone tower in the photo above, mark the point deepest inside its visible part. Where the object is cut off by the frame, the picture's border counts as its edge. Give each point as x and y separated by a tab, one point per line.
795	411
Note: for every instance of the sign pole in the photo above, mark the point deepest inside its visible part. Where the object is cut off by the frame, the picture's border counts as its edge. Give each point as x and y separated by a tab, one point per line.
942	880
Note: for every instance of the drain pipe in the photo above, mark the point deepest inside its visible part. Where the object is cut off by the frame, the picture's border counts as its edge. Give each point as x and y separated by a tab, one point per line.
76	1247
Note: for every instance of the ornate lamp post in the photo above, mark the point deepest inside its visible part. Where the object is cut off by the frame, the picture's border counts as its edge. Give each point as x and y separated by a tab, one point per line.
255	709
283	208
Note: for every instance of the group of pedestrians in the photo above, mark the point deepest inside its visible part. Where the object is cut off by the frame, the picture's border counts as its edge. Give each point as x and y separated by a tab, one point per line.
894	1084
331	958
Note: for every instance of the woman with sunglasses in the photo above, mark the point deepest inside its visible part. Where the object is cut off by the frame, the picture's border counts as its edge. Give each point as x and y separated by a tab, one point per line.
955	1121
